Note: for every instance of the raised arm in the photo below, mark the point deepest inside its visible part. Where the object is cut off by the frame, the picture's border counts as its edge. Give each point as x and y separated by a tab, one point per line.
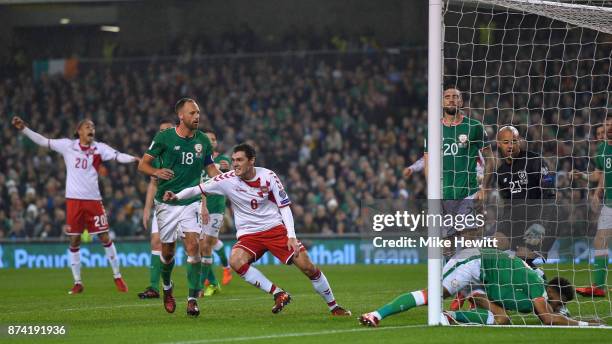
32	135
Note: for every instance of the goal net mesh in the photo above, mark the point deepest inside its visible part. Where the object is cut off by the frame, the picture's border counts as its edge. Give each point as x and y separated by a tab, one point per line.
543	67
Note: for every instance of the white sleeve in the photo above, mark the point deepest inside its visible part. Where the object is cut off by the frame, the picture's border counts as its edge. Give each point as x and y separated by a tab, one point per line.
58	145
214	186
418	165
190	192
106	151
280	195
109	153
288	221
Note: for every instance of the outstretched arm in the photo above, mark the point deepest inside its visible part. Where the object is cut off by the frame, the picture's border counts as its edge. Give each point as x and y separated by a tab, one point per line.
32	135
548	317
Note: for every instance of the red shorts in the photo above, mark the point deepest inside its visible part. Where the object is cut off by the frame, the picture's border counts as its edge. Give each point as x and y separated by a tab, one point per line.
273	240
81	214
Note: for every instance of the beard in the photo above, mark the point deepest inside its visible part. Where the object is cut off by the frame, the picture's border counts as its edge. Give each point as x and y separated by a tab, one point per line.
451	110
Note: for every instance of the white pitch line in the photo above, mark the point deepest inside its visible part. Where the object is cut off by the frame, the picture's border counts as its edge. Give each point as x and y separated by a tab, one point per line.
298	334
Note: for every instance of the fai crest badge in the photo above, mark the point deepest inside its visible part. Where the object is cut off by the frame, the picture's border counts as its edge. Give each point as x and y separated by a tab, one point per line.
198	149
463	140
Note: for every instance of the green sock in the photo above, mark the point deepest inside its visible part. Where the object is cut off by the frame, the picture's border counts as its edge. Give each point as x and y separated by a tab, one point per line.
211	276
600	271
154	272
402	303
206	267
166	272
475	316
194	271
222	256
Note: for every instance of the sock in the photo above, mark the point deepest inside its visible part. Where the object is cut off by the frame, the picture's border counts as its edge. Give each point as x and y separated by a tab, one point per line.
255	278
155	270
600	268
475	316
221	253
206	267
194	271
320	284
211	276
166	272
75	263
403	303
111	254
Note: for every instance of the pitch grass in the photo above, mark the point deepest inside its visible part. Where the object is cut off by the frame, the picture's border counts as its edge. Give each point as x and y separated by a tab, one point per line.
242	313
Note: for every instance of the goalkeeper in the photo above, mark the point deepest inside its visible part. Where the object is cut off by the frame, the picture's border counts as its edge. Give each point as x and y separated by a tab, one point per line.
509	284
529	214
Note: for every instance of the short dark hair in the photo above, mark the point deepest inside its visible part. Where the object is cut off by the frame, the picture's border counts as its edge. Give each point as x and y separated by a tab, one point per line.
209	131
248	150
168	119
179	105
562	286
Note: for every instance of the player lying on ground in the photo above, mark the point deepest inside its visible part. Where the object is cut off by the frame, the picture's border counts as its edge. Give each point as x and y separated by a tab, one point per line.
152	291
509	283
264	222
84	209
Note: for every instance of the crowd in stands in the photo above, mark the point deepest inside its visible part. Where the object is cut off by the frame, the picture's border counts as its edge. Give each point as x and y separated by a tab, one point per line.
339	130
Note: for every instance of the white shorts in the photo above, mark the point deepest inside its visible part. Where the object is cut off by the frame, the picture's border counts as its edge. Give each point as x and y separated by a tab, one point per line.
212	228
461	273
605	218
173	220
154	226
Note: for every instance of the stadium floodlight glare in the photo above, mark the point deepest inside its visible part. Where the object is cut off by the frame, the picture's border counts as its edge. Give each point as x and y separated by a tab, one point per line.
109	28
65	21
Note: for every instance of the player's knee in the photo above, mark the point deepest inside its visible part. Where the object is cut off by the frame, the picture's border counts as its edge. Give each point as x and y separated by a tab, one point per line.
104	237
237	262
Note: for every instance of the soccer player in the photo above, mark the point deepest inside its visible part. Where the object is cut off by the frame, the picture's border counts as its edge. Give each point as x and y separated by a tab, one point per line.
183	152
464	142
210	231
603	163
527	187
264	222
152	291
464	139
84	209
509	284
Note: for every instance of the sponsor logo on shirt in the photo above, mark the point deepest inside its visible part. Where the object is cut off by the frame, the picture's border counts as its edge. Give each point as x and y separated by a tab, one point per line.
177	147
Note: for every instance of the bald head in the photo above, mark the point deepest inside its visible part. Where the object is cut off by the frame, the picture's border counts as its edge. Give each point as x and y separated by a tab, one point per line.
508	142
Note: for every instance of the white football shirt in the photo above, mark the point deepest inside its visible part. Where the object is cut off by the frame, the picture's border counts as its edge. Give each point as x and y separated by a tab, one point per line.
82	164
255	203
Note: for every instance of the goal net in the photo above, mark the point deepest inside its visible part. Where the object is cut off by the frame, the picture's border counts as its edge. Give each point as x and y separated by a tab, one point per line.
543	67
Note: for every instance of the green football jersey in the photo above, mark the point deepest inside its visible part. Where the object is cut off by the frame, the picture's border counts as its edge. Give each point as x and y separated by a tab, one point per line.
216	203
185	156
603	161
509	281
460	146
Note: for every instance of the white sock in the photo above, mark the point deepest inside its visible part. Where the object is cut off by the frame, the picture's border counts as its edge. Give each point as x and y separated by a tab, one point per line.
218	245
255	278
111	254
320	284
75	263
